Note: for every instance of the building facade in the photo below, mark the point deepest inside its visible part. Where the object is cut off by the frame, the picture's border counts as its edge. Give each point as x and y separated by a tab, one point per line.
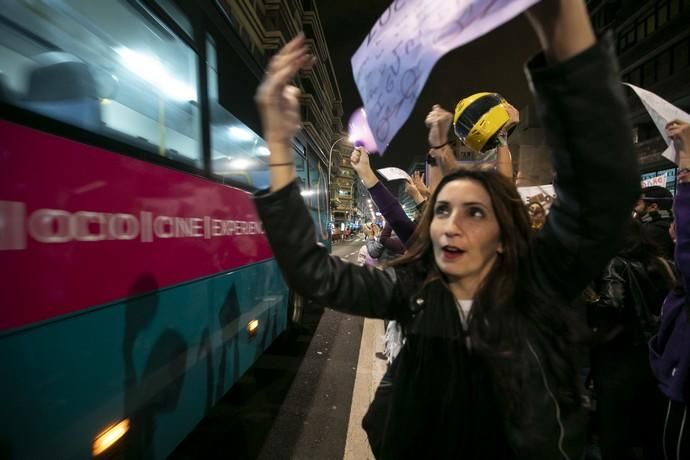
265	26
343	187
652	41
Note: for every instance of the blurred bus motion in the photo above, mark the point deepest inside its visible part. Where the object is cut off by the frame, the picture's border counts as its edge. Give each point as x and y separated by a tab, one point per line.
137	284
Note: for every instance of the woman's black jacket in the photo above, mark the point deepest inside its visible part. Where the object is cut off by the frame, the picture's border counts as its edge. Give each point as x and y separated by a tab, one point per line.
442	406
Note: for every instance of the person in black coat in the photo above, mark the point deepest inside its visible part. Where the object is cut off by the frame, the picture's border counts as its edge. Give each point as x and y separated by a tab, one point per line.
624	316
654	211
487	370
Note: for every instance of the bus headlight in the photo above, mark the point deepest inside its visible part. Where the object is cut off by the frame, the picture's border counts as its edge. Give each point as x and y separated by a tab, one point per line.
252	327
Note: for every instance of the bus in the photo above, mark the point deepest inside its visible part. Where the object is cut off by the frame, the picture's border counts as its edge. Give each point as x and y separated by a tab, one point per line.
137	283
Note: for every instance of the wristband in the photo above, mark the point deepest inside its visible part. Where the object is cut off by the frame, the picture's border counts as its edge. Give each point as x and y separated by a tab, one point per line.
502	138
436	147
288	163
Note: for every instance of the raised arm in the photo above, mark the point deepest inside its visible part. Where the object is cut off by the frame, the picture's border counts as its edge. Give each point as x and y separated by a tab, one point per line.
679	131
441	152
581	105
388	205
504	159
306	266
389	242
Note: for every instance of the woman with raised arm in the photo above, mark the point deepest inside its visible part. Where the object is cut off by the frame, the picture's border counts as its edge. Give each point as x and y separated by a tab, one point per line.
487	370
670	348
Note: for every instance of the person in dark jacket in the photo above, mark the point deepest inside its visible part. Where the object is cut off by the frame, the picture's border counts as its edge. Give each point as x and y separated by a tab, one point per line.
654	210
669	350
487	368
623	318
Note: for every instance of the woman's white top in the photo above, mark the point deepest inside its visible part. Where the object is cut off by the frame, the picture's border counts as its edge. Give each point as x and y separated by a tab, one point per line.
464	307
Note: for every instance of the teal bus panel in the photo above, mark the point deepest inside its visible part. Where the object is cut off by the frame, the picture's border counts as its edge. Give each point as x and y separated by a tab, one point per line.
161	360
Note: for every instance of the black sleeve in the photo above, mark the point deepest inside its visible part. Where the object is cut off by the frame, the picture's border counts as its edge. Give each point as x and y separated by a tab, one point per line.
582	108
311	271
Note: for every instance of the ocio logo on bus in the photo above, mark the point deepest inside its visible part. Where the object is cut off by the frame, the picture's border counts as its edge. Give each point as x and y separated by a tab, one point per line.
60	226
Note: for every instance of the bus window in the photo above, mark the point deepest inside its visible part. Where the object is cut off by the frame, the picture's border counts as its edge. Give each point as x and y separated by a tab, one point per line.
178	16
108	67
237	152
318	198
301	169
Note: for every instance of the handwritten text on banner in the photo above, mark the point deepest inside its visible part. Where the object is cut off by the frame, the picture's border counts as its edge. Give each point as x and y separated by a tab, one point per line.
394	61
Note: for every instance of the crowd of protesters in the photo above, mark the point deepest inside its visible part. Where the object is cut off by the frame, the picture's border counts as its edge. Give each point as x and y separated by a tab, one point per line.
522	334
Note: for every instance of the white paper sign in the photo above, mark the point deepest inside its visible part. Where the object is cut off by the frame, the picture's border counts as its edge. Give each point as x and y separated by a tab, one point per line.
662	112
542	194
393	63
394	174
658	180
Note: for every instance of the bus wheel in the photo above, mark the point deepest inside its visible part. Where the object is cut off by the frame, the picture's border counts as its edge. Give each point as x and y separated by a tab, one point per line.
295	310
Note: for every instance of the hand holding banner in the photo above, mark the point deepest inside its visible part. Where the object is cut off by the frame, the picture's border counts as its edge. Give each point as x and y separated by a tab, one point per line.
396	58
662	112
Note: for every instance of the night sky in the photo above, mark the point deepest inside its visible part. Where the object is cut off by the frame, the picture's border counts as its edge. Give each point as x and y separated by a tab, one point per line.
491	63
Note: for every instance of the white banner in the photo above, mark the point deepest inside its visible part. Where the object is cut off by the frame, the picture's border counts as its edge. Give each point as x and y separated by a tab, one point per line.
394	174
662	112
658	180
393	63
542	194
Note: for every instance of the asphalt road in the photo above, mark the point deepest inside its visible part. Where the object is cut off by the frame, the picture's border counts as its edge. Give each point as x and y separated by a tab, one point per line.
294	403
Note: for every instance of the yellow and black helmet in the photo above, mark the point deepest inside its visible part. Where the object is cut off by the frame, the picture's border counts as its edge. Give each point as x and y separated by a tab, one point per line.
478	119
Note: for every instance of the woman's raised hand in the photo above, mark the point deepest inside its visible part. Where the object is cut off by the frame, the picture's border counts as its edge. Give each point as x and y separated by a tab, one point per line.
418	182
438	121
679	132
278	102
514	115
562	26
359	159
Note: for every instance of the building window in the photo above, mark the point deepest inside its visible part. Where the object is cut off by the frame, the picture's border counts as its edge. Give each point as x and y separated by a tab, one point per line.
649	72
674	8
651	24
663	66
622	42
662	14
636	77
631	36
641	30
680	56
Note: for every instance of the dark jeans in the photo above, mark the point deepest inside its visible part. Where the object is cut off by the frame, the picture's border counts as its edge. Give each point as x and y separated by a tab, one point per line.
676	434
628	403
